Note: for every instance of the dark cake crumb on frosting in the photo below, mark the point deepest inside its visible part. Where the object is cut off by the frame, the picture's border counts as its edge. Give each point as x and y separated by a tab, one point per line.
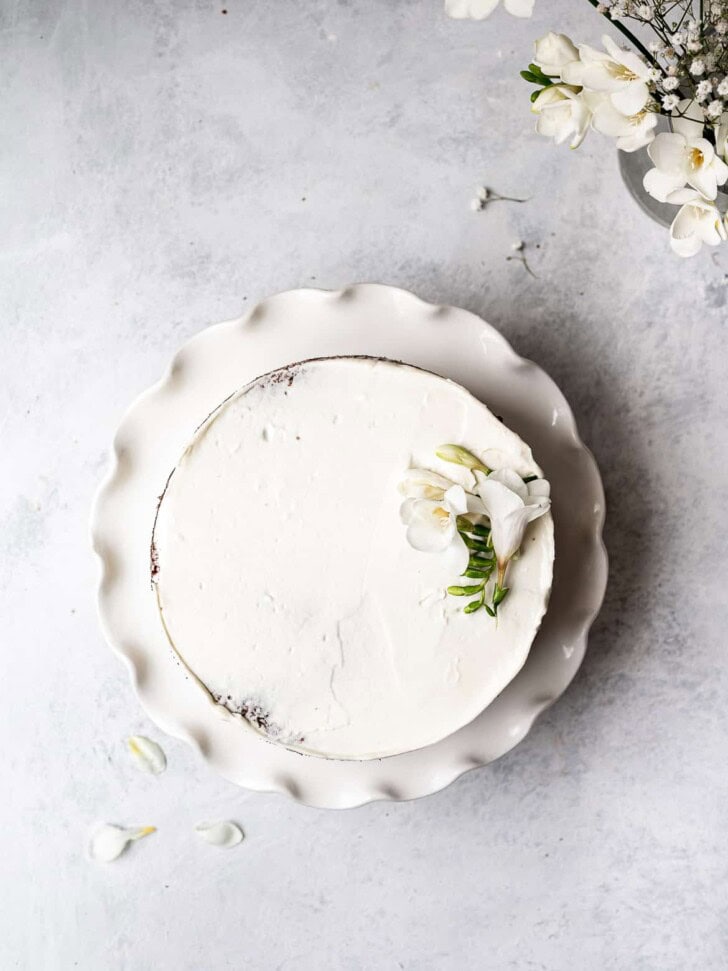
154	562
253	712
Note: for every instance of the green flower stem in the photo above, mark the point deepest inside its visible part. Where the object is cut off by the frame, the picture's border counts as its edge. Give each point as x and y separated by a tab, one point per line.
502	567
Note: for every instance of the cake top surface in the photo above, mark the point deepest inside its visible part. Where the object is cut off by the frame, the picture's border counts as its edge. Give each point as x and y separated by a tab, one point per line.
283	574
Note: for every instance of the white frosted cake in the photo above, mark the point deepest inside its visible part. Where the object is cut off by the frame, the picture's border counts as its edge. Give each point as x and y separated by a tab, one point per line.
332	582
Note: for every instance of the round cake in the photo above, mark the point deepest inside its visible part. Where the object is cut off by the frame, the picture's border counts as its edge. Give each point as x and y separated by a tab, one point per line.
294	559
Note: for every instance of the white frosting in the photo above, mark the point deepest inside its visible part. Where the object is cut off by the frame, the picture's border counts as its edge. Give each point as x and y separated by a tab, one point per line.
284	578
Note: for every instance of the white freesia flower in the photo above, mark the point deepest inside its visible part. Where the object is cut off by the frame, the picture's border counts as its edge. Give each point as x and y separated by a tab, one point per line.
680	160
108	842
563	113
697	222
224	834
631	131
480	9
619	73
432	524
147	755
554	52
423	484
510	504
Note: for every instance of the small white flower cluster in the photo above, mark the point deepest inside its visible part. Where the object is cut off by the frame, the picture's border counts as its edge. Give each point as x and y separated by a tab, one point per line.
692	48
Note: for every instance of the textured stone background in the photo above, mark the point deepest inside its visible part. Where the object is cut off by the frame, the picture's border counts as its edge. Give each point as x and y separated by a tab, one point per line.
164	166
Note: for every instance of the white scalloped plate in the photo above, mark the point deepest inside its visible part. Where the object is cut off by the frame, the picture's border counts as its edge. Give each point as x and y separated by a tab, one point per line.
380	321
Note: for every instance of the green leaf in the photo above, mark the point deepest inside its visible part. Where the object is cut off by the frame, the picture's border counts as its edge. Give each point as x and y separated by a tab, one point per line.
475	544
481	531
529	478
533	78
489	609
473	606
534	95
465	591
474	574
499	595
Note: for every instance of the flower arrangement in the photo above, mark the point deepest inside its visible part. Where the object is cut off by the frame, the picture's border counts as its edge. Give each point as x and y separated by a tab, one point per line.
482	529
682	74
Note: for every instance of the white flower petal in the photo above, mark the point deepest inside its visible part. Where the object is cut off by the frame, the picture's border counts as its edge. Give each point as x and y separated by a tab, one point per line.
683	196
624	56
641	137
669	152
519	8
470	9
553	52
148	756
660	184
539	487
553	94
704	180
721	170
689	246
697	222
510	479
407	511
563	113
475	504
537	506
108	842
223	834
497	498
592	70
705	149
424	484
608	121
631	98
457	556
431	526
507	533
456	501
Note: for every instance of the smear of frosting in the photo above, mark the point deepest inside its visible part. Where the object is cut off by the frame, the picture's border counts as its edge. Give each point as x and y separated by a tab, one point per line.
224	834
148	756
109	842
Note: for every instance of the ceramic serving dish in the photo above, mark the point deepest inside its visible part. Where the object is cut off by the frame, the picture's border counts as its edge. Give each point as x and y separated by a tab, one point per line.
374	320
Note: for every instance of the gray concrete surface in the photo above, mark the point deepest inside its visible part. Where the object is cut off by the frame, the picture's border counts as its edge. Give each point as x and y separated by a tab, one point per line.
163	165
